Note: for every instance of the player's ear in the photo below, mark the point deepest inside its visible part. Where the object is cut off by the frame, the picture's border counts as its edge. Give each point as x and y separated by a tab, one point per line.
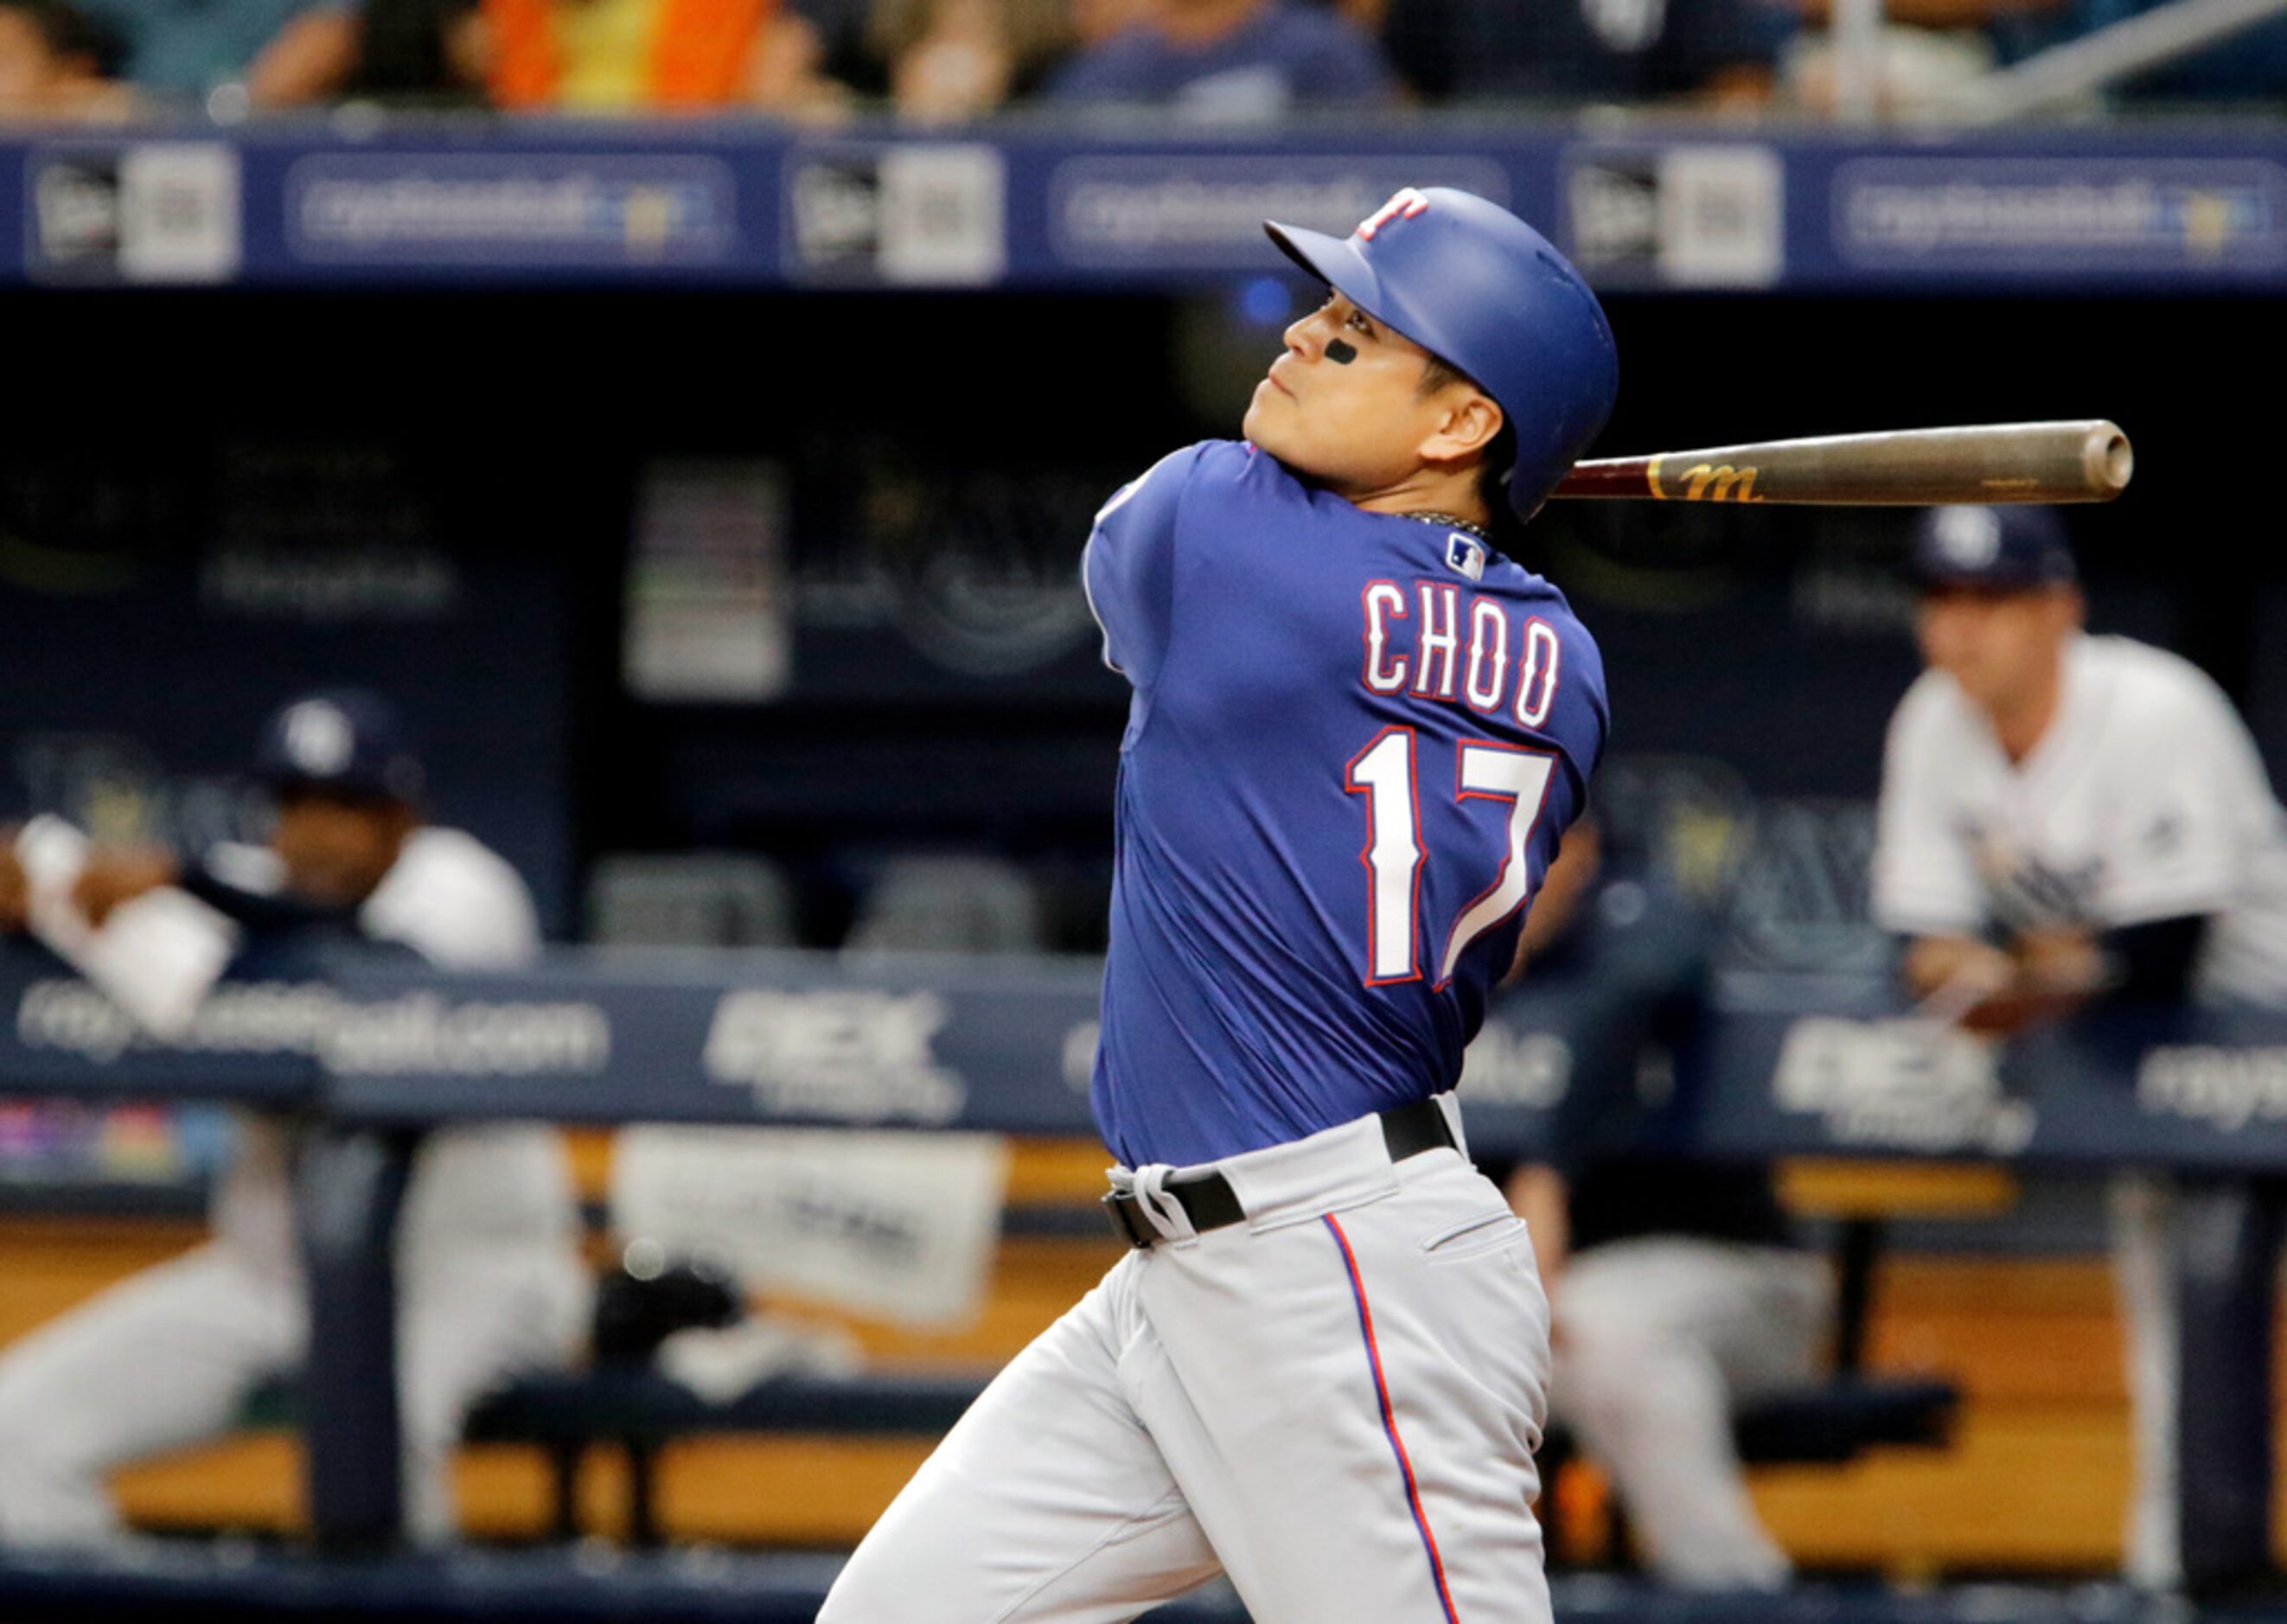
1469	422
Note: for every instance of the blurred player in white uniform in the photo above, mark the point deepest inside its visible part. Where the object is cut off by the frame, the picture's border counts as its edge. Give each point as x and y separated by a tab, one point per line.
486	1257
2061	814
1678	1288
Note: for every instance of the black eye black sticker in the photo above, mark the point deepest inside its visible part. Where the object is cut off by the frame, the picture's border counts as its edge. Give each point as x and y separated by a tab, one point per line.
1338	352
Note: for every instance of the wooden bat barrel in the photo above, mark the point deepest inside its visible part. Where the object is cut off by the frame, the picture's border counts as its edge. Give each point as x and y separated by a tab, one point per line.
1991	462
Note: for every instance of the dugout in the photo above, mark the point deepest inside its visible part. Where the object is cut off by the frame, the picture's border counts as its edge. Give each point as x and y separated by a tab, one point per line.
499	489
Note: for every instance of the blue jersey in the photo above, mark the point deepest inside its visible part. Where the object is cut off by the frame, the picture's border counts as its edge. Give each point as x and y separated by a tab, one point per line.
1354	742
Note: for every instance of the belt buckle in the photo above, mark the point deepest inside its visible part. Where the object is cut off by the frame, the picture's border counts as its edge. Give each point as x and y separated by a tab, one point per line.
1130	1225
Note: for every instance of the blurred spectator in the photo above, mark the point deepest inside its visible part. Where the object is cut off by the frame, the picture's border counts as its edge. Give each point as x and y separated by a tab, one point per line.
1920	70
1230	60
1676	1289
1094	21
56	63
625	56
959	59
425	52
233	56
1933	52
1583	50
2250	65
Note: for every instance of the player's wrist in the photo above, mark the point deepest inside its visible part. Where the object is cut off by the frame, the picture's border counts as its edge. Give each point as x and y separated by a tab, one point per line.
1935	963
2058	960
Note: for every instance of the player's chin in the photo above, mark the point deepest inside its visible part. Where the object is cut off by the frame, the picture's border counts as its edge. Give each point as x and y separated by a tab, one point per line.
1268	415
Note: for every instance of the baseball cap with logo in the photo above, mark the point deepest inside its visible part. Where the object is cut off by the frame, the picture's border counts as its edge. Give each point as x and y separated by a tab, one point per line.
1999	549
345	740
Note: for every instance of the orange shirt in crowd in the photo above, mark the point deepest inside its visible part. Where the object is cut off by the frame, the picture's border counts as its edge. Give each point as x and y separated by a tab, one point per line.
623	55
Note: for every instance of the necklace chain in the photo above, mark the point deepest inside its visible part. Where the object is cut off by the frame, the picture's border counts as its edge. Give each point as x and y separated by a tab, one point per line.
1452	521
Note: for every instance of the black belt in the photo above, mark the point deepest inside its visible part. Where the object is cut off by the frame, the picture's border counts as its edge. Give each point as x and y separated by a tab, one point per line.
1210	1202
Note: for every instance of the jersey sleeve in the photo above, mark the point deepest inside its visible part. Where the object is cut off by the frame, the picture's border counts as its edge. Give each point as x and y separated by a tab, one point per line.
156	956
456	903
1129	570
1579	728
2193	795
1924	880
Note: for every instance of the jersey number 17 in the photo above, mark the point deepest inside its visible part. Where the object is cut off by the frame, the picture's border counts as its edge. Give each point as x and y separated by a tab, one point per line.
1385	773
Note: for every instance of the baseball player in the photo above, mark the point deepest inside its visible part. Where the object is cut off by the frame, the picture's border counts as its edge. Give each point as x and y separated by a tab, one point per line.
2061	814
1678	1288
1359	730
485	1252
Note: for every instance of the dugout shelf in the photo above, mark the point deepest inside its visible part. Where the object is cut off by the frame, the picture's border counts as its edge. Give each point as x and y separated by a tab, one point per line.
639	1411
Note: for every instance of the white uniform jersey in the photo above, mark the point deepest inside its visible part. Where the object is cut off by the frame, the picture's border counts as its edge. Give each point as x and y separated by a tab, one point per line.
461	906
2145	800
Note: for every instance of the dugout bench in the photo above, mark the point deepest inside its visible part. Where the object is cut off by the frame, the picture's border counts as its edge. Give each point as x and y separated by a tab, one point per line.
633	1410
638	1412
1835	1420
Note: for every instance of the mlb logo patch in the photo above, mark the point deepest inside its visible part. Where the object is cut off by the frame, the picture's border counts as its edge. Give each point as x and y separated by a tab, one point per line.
1466	554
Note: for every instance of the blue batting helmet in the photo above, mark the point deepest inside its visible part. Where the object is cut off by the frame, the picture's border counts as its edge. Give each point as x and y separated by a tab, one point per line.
1485	293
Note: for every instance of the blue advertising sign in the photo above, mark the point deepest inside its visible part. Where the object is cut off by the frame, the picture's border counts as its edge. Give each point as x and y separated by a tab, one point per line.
1806	1066
252	1043
2042	216
1041	203
593	209
1192	210
1783	1065
774	1037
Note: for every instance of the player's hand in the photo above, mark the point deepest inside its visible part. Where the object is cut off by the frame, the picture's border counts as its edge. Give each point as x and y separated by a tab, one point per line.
2060	961
1957	972
15	891
116	877
1962	981
2057	972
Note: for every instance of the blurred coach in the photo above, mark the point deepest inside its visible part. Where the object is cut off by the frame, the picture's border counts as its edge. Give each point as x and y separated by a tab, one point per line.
486	1251
2061	815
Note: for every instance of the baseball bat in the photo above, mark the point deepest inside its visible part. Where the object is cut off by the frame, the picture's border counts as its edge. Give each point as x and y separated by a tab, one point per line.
2000	462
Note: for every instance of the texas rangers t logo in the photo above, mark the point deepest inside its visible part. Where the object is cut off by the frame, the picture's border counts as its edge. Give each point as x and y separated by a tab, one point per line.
1407	202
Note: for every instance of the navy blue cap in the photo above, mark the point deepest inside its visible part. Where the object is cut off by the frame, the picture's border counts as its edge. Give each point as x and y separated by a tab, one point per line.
345	739
2000	549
